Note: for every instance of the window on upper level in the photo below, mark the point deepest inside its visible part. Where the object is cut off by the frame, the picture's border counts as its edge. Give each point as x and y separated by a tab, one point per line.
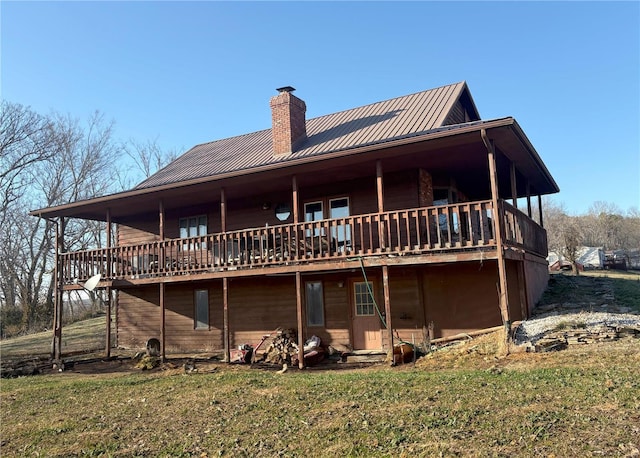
193	226
339	208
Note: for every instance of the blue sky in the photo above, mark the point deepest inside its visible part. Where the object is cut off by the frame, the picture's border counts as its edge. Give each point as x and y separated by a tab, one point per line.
184	73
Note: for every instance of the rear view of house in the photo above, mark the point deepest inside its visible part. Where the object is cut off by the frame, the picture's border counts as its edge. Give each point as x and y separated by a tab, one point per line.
357	227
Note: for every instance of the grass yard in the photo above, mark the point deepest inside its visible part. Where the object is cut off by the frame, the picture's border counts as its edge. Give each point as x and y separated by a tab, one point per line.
596	287
463	400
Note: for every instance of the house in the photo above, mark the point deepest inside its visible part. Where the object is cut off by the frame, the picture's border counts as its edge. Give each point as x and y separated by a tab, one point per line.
359	227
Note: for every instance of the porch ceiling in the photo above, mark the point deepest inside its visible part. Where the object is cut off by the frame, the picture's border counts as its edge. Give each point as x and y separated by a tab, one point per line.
459	153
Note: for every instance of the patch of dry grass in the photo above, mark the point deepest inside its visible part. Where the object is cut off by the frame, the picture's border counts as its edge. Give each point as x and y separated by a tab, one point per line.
81	336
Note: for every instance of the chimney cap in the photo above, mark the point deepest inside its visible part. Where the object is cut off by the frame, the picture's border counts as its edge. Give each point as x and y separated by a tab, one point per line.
285	89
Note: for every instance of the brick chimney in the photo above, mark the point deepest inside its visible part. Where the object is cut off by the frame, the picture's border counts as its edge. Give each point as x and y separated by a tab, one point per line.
288	121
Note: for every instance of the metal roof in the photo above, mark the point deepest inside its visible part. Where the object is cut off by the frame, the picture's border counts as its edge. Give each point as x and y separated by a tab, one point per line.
368	125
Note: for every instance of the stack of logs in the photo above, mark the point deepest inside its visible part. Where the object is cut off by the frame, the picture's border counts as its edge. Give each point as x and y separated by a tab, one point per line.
282	348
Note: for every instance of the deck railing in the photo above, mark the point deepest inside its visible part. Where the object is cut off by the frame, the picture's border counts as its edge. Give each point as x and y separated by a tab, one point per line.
423	230
521	231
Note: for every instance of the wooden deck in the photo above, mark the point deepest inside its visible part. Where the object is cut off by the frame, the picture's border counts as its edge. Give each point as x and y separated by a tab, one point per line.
426	231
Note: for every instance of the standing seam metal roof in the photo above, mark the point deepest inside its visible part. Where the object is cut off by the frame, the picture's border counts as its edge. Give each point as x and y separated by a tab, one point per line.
370	124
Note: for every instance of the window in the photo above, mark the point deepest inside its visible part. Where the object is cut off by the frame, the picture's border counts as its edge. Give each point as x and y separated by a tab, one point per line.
315	303
313	212
365	305
339	208
193	226
448	220
201	316
283	212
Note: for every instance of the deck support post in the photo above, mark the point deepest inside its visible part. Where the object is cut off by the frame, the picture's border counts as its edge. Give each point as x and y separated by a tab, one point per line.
223	210
57	311
107	304
294	198
540	210
387	310
300	314
226	337
529	199
225	319
497	218
162	254
163	353
380	194
107	301
514	186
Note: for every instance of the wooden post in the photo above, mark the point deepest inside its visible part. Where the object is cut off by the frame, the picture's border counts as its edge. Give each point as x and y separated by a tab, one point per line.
161	216
163	354
380	194
223	210
497	218
529	199
387	309
107	301
163	255
161	220
59	280
540	210
226	336
301	314
379	185
514	187
225	319
294	187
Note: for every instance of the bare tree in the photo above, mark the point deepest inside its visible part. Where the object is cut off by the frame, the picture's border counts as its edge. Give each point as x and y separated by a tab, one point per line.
77	163
147	158
47	161
25	140
572	241
564	233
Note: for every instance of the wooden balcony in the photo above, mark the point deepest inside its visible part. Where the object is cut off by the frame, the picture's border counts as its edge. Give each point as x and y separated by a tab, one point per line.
418	231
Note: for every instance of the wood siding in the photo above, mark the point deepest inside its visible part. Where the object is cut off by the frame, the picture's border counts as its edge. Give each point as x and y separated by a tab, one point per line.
456	298
457	115
139	318
536	273
462	297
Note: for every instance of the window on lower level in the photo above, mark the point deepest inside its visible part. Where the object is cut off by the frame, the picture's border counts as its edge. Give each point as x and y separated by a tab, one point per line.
201	315
315	303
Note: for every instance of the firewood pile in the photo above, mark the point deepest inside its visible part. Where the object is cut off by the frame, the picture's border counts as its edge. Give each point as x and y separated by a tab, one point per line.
282	348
